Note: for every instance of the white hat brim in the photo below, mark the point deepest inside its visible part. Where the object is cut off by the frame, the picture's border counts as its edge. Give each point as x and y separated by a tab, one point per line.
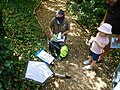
104	31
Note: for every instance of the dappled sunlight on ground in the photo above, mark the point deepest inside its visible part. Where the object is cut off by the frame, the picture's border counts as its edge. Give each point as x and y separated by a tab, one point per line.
73	27
53	3
96	82
76	34
73	65
78	52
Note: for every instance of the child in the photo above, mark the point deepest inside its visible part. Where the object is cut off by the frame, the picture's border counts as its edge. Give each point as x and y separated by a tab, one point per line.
98	43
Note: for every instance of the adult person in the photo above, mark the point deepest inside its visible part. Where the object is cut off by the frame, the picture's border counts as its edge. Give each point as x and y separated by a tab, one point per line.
58	24
116	79
112	17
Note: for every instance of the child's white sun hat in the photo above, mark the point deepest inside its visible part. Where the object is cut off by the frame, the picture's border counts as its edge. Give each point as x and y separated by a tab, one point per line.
105	28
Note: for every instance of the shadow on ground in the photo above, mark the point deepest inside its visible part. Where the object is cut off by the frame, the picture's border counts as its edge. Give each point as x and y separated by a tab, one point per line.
78	51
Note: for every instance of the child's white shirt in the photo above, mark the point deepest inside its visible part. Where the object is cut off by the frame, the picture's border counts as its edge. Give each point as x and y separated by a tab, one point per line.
100	40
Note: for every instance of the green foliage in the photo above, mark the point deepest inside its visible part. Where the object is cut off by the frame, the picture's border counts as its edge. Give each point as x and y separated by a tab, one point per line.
24	38
115	54
90	13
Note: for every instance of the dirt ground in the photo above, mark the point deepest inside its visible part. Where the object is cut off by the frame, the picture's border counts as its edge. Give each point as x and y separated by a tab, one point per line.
72	65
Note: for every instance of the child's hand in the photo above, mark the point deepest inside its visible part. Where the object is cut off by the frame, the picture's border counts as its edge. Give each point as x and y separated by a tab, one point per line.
91	39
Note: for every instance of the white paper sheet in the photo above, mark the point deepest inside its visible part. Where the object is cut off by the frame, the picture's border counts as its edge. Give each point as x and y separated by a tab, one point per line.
38	71
46	57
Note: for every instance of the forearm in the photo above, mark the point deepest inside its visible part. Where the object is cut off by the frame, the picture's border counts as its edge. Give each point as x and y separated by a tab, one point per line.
66	32
105	16
51	31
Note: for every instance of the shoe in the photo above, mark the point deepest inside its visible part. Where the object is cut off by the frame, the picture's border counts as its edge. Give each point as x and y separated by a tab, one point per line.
86	62
88	67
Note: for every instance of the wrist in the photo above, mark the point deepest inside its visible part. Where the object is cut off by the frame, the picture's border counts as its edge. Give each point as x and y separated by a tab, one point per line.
51	33
63	34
